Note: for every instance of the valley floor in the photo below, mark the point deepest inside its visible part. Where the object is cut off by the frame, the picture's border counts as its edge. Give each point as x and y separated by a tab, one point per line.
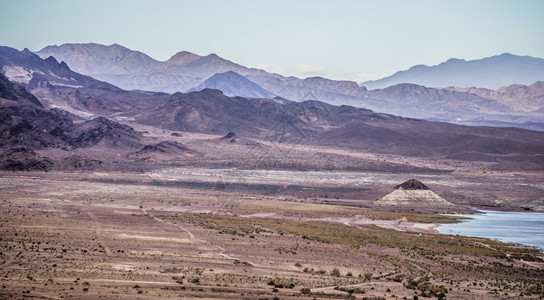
198	233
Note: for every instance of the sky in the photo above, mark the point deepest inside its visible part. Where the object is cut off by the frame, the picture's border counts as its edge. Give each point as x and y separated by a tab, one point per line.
341	39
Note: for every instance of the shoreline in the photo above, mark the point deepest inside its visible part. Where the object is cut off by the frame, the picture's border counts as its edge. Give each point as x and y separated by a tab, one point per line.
486	223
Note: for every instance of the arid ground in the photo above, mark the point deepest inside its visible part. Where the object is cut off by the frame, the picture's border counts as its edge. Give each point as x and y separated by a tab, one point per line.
254	234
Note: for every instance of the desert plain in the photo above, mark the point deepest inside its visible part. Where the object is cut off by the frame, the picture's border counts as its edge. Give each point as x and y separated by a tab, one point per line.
232	224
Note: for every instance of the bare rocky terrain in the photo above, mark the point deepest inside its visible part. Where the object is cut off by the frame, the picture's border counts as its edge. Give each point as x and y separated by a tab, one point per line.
148	236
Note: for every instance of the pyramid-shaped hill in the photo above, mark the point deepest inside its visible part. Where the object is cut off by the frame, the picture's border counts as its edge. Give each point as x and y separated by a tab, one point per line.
413	194
412	185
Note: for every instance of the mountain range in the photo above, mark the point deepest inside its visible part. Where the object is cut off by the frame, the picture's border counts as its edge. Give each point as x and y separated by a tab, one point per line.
517	97
131	70
407	96
38	133
185	71
515	105
490	72
210	111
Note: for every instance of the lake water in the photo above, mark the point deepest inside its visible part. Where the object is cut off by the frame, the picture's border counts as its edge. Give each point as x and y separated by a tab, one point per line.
512	227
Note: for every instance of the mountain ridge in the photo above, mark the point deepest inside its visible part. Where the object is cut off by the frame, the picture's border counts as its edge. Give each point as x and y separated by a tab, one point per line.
491	72
186	71
170	77
28	69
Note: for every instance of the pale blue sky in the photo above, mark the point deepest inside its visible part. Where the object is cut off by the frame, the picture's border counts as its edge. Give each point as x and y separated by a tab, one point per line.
338	39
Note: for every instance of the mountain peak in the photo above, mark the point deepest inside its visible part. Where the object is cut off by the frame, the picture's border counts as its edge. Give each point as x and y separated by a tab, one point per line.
11	91
115	45
412	184
95	59
51	60
212	57
417	67
455	60
234	84
182	57
208	92
228	74
506	54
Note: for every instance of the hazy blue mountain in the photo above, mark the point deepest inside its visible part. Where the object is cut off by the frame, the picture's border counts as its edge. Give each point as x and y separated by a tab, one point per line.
234	84
133	70
28	69
518	97
93	59
130	70
491	72
417	101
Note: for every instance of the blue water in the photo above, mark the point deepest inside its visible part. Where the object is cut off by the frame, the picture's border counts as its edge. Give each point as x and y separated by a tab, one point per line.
512	227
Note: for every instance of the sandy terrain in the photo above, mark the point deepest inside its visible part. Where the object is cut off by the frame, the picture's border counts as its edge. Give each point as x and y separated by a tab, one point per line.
149	236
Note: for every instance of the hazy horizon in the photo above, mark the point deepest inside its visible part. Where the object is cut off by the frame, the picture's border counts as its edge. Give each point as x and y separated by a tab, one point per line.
345	40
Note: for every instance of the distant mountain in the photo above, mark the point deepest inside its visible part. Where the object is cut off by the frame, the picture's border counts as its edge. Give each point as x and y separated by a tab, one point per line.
517	97
99	59
234	84
185	71
29	70
56	85
131	69
417	101
491	73
37	138
312	88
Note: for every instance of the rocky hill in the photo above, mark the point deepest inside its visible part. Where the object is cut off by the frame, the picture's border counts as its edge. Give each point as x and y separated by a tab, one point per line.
414	194
27	130
234	84
163	151
104	132
412	184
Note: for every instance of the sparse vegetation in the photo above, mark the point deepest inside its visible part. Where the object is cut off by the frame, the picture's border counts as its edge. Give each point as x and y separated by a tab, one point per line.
298	254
